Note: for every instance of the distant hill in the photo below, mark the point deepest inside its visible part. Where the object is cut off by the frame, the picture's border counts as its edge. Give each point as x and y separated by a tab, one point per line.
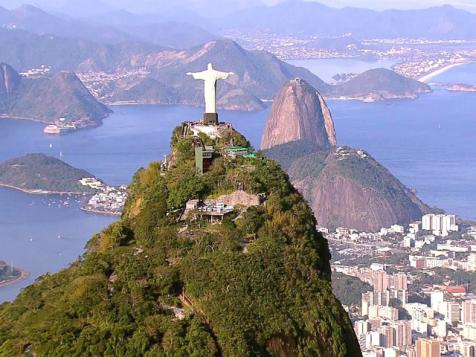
48	98
380	84
36	20
171	34
121	27
344	187
24	50
38	173
259	74
312	18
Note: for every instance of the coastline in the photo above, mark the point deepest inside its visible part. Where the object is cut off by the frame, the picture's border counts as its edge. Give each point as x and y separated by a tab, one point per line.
23	275
431	75
105	213
42	192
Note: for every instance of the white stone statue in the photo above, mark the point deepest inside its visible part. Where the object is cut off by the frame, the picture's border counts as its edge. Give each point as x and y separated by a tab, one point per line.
210	77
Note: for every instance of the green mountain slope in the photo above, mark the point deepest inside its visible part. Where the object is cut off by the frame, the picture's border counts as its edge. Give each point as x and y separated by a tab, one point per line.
41	173
159	282
347	187
46	99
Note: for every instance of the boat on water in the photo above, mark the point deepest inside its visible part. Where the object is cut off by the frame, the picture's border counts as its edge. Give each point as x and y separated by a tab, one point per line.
52	130
59	128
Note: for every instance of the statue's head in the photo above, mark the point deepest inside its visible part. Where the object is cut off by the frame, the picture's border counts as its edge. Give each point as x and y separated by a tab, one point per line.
210	67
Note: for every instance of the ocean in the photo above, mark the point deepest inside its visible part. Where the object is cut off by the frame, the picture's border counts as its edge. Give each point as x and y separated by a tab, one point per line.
427	143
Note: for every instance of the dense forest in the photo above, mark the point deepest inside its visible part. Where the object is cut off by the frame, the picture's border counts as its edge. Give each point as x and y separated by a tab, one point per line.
157	283
349	289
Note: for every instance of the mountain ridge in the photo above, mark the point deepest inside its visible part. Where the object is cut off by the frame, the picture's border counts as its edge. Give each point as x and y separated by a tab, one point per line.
312	18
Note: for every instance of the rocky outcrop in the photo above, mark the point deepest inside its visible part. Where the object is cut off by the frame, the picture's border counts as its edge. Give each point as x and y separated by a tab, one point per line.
299	113
238	198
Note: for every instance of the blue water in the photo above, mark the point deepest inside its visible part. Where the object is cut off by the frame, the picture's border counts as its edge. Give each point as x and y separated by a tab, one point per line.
39	234
131	138
427	143
463	74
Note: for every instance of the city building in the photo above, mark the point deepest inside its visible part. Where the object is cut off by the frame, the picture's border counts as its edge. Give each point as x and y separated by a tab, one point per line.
203	157
469	312
428	348
439	224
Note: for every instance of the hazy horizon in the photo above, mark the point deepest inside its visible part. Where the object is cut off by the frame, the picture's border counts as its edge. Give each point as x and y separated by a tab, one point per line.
208	7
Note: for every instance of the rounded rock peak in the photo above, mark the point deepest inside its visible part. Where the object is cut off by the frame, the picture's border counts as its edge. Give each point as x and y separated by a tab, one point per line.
299	112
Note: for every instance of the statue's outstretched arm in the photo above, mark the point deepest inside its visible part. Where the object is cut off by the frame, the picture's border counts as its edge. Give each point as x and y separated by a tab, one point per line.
224	75
198	75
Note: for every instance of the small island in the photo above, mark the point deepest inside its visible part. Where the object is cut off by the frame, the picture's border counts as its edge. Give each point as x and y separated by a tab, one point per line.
44	175
379	84
461	87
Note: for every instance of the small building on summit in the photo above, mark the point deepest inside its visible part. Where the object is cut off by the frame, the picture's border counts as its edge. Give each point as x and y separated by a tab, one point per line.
203	157
235	151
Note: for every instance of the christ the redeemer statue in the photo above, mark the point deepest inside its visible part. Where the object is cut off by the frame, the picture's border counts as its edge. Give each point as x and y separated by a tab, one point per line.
210	77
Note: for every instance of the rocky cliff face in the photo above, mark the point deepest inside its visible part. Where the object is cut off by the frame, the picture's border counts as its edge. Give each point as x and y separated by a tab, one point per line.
299	113
344	187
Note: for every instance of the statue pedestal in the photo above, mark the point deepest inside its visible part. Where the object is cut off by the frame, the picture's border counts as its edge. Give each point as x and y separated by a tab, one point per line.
210	118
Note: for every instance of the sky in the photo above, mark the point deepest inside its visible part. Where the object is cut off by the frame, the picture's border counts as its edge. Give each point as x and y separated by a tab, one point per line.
469	5
214	7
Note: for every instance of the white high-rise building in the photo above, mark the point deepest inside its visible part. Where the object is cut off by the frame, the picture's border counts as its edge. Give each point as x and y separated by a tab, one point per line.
472	262
439	224
361	327
427	222
437	298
